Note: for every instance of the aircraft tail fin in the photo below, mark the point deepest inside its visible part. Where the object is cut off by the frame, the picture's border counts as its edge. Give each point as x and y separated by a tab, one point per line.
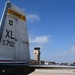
14	42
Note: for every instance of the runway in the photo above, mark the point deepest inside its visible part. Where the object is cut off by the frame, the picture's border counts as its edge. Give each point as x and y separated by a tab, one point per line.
53	72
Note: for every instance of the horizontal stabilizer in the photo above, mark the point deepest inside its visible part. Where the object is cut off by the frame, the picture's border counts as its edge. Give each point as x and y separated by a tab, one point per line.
52	67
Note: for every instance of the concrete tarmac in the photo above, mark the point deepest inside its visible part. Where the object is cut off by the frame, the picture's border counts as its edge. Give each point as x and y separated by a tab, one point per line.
53	72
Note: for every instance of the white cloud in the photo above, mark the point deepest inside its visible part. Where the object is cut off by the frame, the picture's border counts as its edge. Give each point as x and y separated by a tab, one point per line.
71	50
32	17
39	39
0	23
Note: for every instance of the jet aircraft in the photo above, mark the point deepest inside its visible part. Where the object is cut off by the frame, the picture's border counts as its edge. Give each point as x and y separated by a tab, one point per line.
14	44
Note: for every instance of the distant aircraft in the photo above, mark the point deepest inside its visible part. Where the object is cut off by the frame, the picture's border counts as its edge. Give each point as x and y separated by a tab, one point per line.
14	44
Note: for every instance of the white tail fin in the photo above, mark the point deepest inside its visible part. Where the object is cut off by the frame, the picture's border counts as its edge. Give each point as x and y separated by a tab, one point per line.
14	42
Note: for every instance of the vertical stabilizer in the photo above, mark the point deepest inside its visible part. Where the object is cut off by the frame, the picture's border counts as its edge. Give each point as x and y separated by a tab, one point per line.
14	42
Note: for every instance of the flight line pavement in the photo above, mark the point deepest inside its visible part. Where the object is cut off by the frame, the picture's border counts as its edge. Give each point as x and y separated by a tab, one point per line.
53	72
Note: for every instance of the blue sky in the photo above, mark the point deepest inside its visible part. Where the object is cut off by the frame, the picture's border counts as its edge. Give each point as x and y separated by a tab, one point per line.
51	26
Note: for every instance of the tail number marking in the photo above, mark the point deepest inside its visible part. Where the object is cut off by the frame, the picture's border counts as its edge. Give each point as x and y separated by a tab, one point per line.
9	34
8	43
